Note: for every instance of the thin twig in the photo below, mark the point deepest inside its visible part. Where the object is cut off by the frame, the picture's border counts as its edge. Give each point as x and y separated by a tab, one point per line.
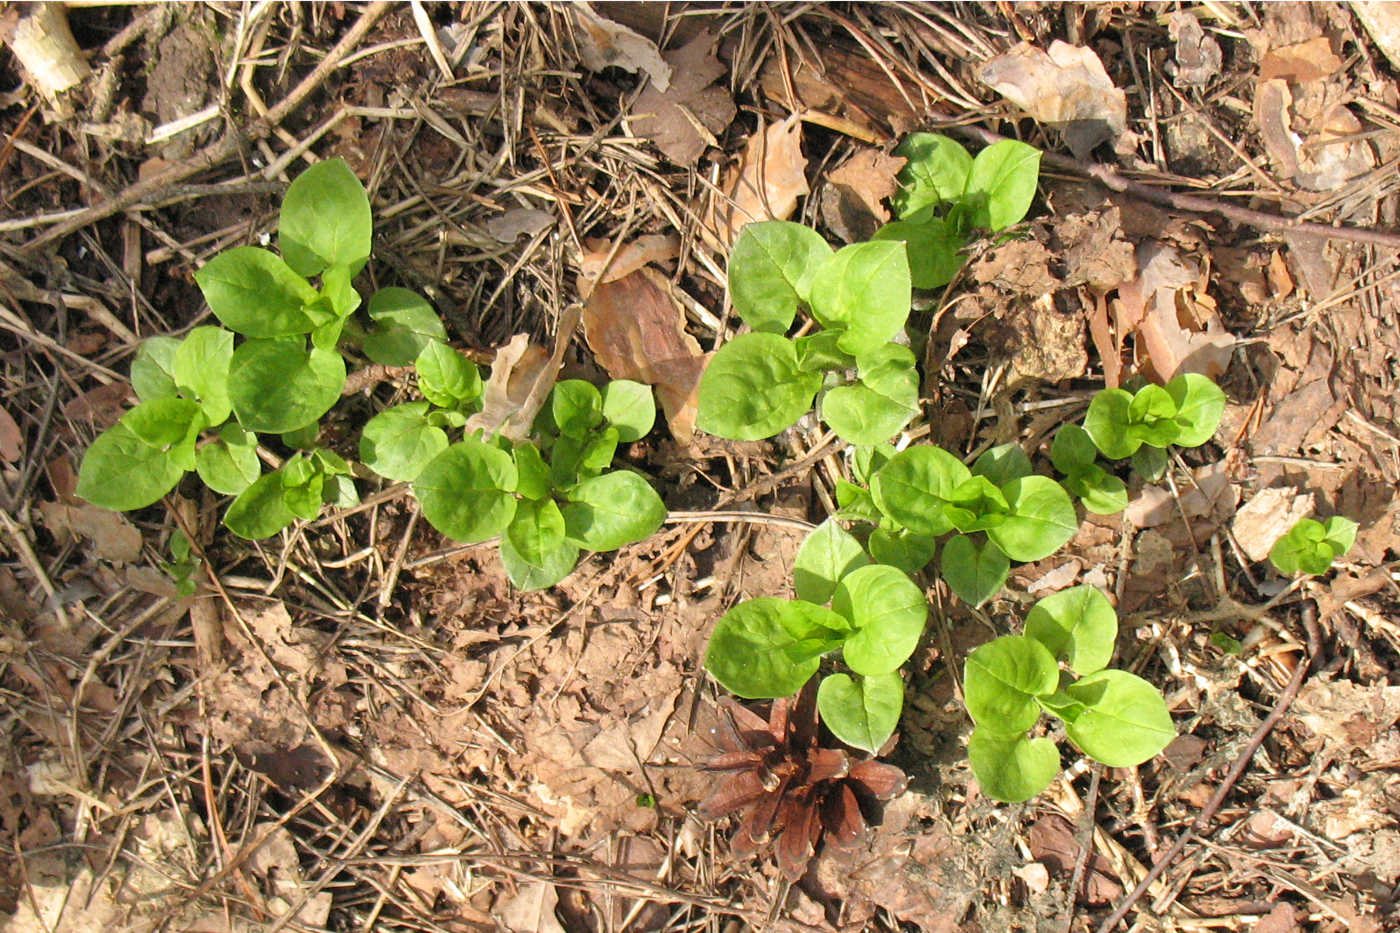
1202	822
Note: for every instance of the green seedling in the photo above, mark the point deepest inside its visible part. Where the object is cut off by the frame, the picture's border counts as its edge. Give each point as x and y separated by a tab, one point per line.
1184	412
998	511
1114	717
182	564
946	194
1074	454
759	384
872	613
550	498
1311	546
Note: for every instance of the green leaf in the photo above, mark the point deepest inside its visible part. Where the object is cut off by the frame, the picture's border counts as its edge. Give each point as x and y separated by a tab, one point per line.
912	487
260	511
230	464
863	712
1040	521
1107	423
404	323
864	291
276	385
153	369
887	611
597	453
1012	768
1152	417
447	378
325	220
1125	720
302	438
339	492
1311	546
901	548
398	442
1001	184
932	247
302	492
974	570
828	554
770	272
866	460
555	566
465	492
1077	626
1002	463
819	352
338	291
253	292
577	407
771	647
329	462
202	367
1001	680
855	504
1150	462
935	174
536	531
1340	533
532	472
882	403
630	407
752	388
1101	492
140	458
1200	403
976	505
1072	449
608	511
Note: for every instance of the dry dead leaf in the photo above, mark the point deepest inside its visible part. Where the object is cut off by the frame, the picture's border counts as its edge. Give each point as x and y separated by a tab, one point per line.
603	43
1045	344
624	744
636	330
1280	282
1066	88
11	438
1266	517
682	119
531	909
277	862
595	267
113	537
765	184
1198	55
1052	843
1303	61
1347	716
508	227
1211	493
101	406
851	199
1382	22
522	375
1176	322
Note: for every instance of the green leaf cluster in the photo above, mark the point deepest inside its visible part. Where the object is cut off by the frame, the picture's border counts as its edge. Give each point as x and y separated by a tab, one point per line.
946	194
548	498
760	383
997	511
1184	412
1113	716
872	613
1311	546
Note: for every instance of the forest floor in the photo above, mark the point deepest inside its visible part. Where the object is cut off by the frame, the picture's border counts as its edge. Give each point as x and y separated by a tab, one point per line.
359	725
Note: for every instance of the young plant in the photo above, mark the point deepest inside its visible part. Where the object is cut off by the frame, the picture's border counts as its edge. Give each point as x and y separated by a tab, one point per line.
1311	546
946	194
1074	454
1114	717
759	384
998	511
1142	424
549	498
872	613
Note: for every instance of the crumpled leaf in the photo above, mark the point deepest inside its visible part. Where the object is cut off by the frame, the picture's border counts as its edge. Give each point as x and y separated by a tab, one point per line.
765	184
1178	328
636	330
1328	157
508	227
522	375
1198	55
596	269
603	43
1066	88
851	200
682	119
531	909
113	537
1302	61
11	438
1266	517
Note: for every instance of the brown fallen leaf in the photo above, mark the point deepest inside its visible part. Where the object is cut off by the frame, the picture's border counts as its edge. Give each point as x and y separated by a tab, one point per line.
1303	61
765	184
1178	328
1066	88
636	330
11	438
101	406
112	536
682	119
1198	56
599	264
851	200
1052	842
276	861
508	227
1045	345
531	909
603	43
1266	517
517	368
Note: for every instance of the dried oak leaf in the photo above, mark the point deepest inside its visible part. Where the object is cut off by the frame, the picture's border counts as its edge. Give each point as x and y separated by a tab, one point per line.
1066	88
790	792
603	43
521	376
636	330
600	263
765	184
851	199
1302	61
683	118
1177	325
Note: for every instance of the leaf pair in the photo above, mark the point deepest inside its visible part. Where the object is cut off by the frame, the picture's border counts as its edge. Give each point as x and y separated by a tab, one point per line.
295	490
400	441
990	192
1185	412
771	647
1074	454
1311	546
1114	717
760	384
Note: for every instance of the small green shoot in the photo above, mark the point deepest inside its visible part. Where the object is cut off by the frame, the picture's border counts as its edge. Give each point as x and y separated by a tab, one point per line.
1311	546
1185	412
